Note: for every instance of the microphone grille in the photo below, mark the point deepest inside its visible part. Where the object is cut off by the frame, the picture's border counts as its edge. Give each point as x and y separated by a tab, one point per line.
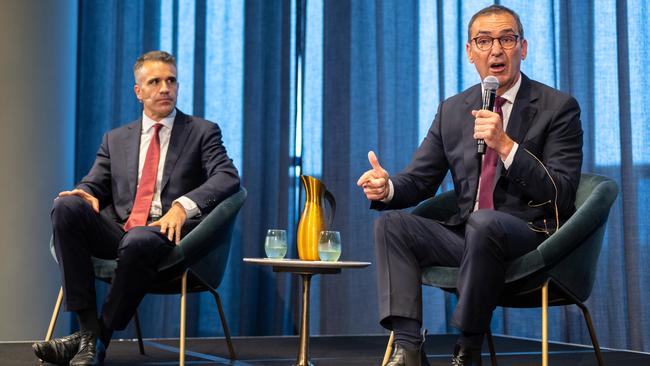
491	83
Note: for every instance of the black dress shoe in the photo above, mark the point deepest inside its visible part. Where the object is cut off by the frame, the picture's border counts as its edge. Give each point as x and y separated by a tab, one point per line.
403	357
59	350
465	356
91	352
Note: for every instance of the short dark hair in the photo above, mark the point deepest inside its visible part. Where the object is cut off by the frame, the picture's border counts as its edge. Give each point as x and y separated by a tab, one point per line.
161	56
495	9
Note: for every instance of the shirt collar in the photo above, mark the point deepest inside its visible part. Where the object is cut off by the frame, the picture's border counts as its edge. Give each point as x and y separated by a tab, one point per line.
511	93
148	123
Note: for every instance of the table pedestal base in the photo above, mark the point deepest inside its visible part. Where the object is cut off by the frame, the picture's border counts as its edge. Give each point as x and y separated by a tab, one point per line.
306	269
305	274
303	351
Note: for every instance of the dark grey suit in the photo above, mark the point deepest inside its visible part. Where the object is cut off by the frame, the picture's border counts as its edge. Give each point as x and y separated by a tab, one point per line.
545	172
196	166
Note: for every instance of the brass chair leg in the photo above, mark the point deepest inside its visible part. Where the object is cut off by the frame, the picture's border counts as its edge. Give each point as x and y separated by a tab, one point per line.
585	314
493	354
181	360
545	324
226	331
55	315
138	332
592	333
222	315
389	348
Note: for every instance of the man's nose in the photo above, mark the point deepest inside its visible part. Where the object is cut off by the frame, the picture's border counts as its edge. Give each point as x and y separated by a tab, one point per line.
496	47
164	86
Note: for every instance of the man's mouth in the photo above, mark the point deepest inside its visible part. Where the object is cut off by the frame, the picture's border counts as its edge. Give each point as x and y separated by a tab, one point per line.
497	67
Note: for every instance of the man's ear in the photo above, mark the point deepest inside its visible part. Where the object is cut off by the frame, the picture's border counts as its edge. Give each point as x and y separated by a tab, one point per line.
137	90
468	50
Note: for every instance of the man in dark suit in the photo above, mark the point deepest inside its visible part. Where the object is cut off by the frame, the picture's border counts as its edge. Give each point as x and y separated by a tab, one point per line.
153	180
509	200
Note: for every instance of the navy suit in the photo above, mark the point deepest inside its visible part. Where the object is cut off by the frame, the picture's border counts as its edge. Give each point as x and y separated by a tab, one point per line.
544	174
196	166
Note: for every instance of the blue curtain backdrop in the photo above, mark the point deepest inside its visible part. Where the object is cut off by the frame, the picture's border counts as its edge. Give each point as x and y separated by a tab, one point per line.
309	86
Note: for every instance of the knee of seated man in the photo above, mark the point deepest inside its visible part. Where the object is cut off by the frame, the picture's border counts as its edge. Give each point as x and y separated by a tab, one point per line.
69	208
140	242
484	223
389	222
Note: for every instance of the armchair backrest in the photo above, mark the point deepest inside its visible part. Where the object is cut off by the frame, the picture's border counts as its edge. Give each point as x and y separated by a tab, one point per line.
440	207
572	253
207	246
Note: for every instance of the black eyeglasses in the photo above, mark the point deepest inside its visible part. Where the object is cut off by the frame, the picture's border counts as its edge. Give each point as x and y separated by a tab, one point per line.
484	43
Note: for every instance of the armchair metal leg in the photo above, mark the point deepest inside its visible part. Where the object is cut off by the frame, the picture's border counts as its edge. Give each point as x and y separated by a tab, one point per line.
181	360
585	314
55	315
138	332
592	333
226	331
493	354
545	323
389	348
222	315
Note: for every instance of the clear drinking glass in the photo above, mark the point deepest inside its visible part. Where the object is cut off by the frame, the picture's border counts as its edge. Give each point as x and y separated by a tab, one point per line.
275	244
329	246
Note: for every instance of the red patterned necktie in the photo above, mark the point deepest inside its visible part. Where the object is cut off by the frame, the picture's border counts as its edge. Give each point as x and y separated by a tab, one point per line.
488	170
147	185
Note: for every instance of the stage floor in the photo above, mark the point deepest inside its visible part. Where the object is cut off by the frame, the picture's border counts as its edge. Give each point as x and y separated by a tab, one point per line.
327	351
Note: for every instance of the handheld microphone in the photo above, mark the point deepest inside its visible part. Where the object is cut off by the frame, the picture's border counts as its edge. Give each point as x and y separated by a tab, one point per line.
490	84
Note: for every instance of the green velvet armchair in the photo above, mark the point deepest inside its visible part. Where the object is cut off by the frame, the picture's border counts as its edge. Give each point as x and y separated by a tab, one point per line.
197	264
561	271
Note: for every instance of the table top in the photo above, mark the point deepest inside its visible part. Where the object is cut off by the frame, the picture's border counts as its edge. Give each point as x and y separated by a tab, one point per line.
297	263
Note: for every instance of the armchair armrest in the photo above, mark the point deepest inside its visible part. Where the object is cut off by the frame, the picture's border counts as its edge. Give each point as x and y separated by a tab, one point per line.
588	218
206	236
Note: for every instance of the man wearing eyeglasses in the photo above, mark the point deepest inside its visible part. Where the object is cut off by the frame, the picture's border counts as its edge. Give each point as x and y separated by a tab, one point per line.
509	200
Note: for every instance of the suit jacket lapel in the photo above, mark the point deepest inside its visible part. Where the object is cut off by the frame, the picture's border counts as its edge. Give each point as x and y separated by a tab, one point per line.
132	155
521	116
472	159
180	132
523	111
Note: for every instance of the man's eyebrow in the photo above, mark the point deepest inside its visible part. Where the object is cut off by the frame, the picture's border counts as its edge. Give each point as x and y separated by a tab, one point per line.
503	31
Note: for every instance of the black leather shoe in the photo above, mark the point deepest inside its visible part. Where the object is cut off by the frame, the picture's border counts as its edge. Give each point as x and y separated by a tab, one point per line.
464	356
59	350
403	357
91	352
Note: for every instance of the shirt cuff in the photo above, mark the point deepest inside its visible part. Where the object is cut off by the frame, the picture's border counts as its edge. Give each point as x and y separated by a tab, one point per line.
191	209
391	191
511	156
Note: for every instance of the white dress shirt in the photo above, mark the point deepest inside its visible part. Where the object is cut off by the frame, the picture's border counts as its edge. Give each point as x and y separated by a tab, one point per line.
191	209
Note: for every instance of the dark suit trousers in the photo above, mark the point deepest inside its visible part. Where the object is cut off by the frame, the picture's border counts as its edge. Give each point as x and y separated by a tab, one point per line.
80	234
405	243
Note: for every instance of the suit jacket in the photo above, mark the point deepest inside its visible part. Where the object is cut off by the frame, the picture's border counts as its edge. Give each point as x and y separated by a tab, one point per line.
197	166
546	167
